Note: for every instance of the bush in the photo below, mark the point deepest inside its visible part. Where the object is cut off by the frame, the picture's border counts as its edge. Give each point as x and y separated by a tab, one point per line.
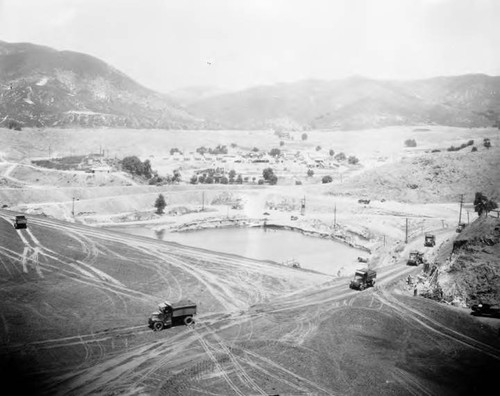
410	143
326	179
304	136
340	157
474	149
331	152
160	204
352	160
310	173
318	148
435	151
261	181
275	152
13	124
298	183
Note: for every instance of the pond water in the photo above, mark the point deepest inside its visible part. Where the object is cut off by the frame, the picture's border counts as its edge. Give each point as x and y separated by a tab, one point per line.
278	245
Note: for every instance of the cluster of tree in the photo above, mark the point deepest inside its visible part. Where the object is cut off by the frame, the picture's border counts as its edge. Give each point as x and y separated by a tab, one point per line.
220	149
211	176
159	180
462	146
135	166
482	204
340	157
275	152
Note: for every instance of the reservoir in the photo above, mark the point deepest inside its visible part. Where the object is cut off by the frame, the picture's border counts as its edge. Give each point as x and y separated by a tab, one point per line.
323	255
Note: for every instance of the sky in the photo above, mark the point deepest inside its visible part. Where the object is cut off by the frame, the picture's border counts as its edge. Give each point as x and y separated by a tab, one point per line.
235	44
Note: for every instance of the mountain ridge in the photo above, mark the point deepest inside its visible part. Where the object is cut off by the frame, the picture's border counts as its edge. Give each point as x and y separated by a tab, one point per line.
41	87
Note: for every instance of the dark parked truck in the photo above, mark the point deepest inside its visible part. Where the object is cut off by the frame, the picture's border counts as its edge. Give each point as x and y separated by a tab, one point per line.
415	258
486	310
363	278
430	240
20	222
168	314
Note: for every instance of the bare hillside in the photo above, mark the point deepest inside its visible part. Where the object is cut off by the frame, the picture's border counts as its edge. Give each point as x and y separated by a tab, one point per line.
432	177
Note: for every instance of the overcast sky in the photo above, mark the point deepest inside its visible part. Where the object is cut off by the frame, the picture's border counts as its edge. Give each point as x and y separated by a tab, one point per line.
168	44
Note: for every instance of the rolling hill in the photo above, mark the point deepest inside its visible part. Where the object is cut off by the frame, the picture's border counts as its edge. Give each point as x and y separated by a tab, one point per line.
41	87
357	103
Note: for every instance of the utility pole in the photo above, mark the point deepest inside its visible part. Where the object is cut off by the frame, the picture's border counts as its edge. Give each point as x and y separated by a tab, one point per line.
73	207
335	216
467	217
203	200
303	206
461	203
406	233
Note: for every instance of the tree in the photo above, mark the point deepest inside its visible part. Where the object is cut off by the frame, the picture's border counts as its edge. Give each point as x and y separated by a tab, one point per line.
326	179
482	204
255	150
352	160
310	173
232	174
132	164
194	179
175	150
201	150
146	169
410	143
209	180
304	136
340	157
273	179
275	152
331	152
261	181
160	204
267	173
282	143
239	179
224	180
318	148
177	176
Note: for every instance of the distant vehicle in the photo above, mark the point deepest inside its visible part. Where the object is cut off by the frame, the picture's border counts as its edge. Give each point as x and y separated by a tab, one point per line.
364	201
430	240
168	314
415	258
363	278
363	259
20	222
486	310
266	213
294	218
461	227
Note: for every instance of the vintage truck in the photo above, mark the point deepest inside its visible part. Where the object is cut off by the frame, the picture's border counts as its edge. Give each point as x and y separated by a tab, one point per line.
20	222
363	278
486	310
172	314
430	240
415	258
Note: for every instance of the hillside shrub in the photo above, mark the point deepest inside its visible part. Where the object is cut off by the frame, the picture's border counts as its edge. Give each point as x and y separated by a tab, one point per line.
410	143
474	149
435	151
340	157
13	124
352	160
326	179
310	173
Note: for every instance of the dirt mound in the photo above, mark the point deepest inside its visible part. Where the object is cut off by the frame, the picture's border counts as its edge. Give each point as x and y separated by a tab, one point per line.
473	271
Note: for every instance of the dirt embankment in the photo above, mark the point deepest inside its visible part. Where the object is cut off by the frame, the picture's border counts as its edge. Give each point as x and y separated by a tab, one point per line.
472	271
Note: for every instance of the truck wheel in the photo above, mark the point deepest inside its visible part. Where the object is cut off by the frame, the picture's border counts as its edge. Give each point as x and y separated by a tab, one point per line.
157	326
188	320
362	287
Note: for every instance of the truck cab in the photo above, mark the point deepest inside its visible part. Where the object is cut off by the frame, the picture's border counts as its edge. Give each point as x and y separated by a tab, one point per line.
363	278
172	314
430	240
415	258
20	222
